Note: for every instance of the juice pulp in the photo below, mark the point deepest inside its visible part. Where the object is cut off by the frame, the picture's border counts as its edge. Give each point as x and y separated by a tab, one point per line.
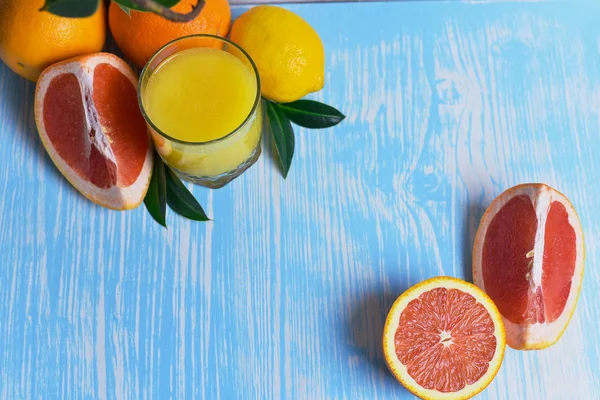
199	95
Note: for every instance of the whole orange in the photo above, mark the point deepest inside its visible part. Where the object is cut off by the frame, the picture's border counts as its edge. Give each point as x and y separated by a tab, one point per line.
31	40
140	35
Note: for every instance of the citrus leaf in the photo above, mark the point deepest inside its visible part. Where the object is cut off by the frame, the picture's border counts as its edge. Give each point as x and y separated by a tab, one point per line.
133	6
156	197
71	8
163	8
311	114
283	135
181	200
126	10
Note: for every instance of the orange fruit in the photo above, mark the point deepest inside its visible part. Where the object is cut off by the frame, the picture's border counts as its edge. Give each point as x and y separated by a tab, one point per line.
444	339
140	35
31	40
89	121
528	257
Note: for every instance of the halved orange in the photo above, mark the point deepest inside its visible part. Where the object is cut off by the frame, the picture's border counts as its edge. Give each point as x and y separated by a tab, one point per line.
528	257
89	121
444	339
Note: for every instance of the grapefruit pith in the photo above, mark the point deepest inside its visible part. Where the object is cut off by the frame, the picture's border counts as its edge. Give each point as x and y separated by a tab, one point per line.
528	257
89	121
444	339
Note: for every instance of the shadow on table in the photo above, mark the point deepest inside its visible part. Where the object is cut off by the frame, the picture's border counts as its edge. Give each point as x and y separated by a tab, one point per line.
18	98
469	230
366	330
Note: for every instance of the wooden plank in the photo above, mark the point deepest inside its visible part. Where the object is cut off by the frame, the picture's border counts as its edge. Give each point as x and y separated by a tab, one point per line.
284	295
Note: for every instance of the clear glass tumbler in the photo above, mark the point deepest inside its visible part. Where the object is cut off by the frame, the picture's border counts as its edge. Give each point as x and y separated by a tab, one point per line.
216	162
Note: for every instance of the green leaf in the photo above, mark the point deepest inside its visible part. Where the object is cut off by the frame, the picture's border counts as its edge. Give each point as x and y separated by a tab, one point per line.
126	10
156	197
181	200
283	135
133	6
311	114
71	8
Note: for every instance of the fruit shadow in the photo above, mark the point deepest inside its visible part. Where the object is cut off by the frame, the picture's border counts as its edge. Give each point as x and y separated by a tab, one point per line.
20	116
20	113
365	331
472	219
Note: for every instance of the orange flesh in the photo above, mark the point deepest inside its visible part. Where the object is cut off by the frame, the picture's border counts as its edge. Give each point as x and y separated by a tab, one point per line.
506	267
446	340
114	124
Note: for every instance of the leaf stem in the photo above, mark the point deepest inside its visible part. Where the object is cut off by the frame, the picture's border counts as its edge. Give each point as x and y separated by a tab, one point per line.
166	12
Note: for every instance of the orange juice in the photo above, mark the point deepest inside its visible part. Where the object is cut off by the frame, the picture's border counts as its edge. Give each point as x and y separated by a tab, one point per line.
204	108
200	94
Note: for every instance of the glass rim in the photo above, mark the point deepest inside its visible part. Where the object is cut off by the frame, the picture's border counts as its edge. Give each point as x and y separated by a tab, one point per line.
145	71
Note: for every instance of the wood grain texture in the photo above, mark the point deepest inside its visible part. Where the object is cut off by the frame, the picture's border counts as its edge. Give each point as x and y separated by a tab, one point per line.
284	295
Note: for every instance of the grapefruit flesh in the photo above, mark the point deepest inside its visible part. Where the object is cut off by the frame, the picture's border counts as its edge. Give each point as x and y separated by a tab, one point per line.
89	121
528	257
444	339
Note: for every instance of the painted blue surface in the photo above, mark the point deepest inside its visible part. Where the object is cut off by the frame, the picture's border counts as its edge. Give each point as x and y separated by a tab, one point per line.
285	294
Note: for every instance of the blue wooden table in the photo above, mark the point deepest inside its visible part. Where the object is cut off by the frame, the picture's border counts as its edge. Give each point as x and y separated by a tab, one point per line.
285	294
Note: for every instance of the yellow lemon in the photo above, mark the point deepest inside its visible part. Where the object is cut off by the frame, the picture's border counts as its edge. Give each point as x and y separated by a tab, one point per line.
287	51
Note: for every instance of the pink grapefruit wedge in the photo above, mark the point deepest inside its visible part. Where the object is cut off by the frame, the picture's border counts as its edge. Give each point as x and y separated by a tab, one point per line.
88	119
528	257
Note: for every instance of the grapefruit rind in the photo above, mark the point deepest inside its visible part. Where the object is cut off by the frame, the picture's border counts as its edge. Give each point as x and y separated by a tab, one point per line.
400	371
116	198
534	336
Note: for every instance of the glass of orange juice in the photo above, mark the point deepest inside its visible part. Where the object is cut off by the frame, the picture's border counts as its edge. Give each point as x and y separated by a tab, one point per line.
200	96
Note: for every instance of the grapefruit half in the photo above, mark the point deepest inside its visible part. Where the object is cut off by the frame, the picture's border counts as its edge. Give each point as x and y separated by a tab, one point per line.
89	121
528	257
444	339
